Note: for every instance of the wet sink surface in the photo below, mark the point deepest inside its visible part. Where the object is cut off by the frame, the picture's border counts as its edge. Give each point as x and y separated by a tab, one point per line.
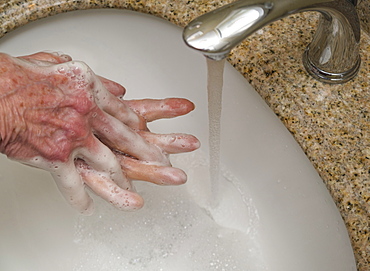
299	227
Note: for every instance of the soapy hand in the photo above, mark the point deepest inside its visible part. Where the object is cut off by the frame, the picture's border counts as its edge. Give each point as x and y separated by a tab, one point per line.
57	115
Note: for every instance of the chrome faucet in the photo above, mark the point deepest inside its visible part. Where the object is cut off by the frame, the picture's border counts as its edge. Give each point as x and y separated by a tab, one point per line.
332	57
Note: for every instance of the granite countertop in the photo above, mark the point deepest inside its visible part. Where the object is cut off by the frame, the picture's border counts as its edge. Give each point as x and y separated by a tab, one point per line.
330	122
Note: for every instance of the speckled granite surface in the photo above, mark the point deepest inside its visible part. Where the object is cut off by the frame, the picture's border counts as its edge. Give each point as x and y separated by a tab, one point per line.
364	13
331	123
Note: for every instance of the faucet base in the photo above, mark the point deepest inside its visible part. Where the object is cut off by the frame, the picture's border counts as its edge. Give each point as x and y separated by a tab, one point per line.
330	77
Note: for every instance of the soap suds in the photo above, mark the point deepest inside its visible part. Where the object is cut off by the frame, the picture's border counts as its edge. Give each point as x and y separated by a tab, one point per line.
173	231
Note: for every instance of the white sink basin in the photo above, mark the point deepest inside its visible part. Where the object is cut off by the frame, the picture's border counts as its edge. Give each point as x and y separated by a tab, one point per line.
288	217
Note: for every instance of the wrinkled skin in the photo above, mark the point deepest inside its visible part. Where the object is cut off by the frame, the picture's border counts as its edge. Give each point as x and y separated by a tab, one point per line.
57	115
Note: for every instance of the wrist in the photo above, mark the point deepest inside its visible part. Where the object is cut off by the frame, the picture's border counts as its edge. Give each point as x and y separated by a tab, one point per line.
11	103
10	121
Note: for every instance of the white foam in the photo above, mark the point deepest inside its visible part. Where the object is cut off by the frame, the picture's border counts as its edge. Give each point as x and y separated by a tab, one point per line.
172	232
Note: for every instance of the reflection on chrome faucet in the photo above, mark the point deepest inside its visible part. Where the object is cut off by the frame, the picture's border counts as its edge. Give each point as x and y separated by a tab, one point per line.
332	56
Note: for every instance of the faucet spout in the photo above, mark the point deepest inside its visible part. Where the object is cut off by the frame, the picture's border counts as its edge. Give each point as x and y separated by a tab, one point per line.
332	56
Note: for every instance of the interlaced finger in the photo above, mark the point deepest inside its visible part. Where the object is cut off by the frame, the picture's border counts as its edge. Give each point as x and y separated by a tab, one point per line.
118	136
153	109
72	187
113	87
144	171
100	158
107	189
116	108
172	143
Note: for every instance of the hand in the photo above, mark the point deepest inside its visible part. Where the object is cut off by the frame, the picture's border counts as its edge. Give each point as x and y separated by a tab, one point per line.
56	114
